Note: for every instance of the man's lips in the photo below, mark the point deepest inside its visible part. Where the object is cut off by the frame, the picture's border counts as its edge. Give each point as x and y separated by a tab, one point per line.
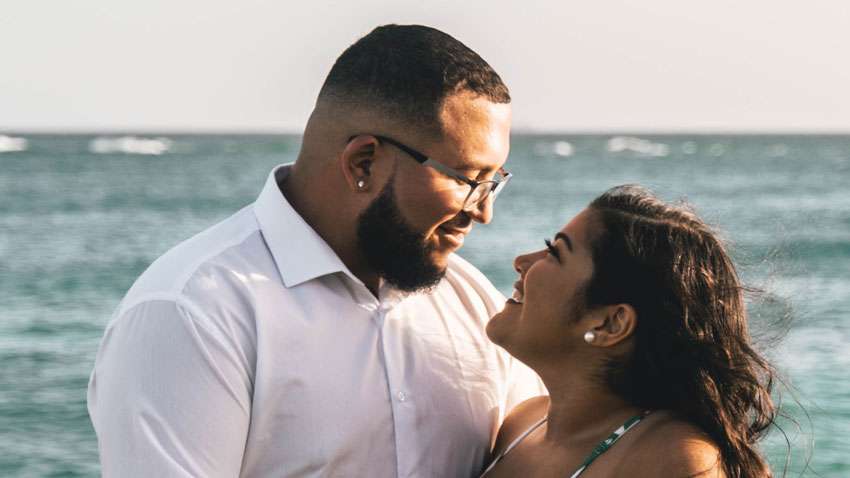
455	230
454	236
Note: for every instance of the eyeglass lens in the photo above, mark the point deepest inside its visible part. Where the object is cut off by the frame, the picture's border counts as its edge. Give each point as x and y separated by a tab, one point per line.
477	195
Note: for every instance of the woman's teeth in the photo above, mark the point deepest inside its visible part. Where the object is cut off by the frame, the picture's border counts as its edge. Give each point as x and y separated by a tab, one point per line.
517	296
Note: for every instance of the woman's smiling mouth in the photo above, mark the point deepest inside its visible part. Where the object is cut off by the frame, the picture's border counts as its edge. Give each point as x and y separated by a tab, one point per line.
518	296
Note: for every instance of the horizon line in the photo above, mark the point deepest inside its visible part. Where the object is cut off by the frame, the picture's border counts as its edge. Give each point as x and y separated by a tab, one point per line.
516	131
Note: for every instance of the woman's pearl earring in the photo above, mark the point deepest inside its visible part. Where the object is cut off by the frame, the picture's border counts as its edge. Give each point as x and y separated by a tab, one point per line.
361	184
589	336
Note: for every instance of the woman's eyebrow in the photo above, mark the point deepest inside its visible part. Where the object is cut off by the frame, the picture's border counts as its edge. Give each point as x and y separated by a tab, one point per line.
566	240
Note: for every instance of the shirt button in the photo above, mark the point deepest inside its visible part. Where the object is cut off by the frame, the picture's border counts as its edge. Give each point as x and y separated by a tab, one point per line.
401	396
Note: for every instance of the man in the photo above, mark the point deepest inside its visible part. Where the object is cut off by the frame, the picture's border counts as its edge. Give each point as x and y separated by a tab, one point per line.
328	329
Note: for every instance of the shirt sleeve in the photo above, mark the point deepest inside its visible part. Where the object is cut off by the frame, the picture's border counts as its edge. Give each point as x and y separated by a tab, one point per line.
170	394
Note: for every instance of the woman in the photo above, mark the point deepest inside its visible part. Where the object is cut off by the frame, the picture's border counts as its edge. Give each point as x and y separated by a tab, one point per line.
634	318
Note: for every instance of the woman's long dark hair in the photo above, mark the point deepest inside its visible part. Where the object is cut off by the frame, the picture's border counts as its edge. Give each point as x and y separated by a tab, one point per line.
692	352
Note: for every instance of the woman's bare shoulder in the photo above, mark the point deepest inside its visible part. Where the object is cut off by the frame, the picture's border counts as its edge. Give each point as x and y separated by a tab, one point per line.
519	420
674	447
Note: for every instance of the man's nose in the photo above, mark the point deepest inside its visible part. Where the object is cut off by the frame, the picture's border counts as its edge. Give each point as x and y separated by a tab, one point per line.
483	211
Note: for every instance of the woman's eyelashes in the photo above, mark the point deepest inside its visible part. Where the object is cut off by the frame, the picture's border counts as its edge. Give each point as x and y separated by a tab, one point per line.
552	249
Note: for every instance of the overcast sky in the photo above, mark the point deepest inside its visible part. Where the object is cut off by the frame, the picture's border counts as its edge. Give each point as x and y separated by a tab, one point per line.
256	65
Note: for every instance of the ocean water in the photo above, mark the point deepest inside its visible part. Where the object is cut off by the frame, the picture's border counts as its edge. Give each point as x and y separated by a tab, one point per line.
82	216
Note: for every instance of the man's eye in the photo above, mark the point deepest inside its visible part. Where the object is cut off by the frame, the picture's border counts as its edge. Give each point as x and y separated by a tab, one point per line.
485	175
551	248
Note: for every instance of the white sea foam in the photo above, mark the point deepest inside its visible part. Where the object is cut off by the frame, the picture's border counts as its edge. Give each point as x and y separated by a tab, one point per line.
560	148
130	145
645	147
778	150
563	148
716	150
10	144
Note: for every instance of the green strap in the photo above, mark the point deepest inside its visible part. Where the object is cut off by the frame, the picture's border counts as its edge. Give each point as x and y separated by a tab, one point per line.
608	442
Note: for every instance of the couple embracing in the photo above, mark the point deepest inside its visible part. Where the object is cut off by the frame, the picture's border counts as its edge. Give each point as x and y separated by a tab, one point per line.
329	328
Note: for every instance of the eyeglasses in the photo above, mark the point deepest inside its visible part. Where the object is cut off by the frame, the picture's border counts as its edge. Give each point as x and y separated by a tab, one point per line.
480	190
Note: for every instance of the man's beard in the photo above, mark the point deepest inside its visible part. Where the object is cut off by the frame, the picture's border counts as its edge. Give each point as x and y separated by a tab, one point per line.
393	249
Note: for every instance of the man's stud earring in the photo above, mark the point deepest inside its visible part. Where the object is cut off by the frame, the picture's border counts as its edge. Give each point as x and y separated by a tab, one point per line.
361	184
589	336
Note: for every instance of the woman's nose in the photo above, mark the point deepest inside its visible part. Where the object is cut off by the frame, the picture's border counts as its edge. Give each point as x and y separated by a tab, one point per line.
523	261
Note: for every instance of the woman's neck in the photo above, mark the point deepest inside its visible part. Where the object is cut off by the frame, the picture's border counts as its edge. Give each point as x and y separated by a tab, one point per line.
581	410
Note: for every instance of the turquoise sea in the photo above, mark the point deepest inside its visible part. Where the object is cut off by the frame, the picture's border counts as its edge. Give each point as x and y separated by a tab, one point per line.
82	216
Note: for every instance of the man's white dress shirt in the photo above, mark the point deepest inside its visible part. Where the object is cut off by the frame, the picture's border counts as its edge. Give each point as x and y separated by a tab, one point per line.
251	350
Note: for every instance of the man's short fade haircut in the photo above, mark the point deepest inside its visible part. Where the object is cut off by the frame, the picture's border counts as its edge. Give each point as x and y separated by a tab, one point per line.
406	71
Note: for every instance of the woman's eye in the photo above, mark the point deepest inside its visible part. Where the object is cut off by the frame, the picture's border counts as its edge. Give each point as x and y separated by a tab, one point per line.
551	248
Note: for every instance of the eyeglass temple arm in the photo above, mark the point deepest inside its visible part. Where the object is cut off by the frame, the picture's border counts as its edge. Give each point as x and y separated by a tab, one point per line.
449	172
426	161
419	157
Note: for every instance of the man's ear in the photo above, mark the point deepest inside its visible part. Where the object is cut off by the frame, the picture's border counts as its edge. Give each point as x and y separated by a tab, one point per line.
619	324
356	162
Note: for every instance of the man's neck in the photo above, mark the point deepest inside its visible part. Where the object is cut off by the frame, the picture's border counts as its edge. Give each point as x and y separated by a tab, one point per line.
325	217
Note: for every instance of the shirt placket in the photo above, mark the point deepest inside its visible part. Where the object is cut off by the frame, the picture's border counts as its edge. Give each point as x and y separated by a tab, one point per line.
402	398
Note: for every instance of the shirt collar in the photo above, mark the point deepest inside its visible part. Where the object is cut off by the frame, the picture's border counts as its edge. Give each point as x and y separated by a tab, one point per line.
299	252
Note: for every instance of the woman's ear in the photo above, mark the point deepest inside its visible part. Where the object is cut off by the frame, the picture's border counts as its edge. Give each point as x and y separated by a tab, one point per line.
618	325
356	161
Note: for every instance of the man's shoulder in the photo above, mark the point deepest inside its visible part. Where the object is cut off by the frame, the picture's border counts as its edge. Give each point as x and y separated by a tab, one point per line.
198	264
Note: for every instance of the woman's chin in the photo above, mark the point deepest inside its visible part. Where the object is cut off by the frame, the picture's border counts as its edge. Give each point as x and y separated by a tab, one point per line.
500	325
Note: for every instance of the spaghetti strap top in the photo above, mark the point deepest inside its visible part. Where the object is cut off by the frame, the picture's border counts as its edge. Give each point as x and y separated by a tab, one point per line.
601	448
513	444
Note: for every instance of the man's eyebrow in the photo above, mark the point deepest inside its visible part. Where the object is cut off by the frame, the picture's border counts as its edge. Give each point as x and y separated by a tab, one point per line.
566	240
468	165
474	163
